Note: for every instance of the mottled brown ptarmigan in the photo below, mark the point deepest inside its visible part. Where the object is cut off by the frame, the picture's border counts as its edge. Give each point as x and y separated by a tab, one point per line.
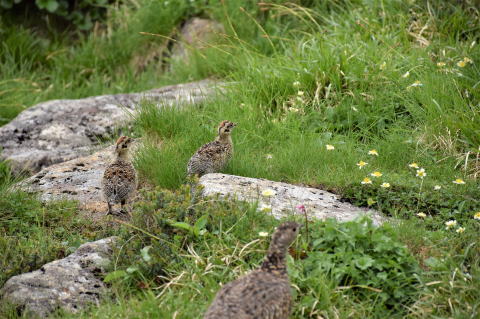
263	293
119	179
214	156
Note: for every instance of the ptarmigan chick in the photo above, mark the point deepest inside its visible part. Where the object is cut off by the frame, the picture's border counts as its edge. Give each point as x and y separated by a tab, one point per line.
214	156
263	293
120	178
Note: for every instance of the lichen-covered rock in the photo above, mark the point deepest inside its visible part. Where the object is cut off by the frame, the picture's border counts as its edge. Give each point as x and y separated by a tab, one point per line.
282	198
61	130
70	283
196	33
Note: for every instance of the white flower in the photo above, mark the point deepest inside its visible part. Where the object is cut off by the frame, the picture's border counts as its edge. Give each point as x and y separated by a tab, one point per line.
263	234
376	174
366	180
421	173
373	152
385	185
459	181
268	192
451	223
406	74
300	93
330	147
413	165
296	84
269	156
437	187
383	65
422	215
264	208
460	230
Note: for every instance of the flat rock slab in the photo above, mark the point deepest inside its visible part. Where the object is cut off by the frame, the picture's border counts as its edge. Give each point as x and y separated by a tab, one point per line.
61	130
285	197
70	283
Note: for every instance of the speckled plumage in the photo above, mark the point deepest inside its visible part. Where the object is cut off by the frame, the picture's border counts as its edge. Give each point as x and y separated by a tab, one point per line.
263	293
119	179
214	156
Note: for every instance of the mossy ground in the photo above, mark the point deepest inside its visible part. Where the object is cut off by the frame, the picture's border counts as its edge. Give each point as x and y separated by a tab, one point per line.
400	77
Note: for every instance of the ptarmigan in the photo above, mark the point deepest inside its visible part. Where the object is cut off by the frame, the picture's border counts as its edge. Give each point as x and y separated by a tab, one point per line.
263	293
119	179
214	156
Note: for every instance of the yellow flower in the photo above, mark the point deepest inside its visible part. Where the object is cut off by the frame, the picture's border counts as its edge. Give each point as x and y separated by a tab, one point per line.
422	215
421	173
361	164
476	216
265	208
437	187
413	165
385	185
406	74
268	192
450	224
441	64
460	230
366	180
461	64
330	147
459	181
376	174
263	234
383	65
373	152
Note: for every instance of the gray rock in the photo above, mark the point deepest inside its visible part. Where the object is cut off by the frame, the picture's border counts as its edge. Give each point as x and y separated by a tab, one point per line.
318	203
70	283
197	34
61	130
79	179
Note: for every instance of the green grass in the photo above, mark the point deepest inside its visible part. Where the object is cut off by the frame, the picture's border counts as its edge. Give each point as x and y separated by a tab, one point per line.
303	75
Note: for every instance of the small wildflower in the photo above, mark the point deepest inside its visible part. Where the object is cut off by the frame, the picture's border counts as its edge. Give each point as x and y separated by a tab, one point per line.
366	180
461	64
460	230
269	156
300	208
422	215
330	147
413	165
415	84
450	224
263	234
441	64
373	152
406	74
268	192
459	181
421	173
467	60
437	187
376	174
265	208
385	185
300	93
242	105
296	84
361	164
476	216
293	109
354	109
383	65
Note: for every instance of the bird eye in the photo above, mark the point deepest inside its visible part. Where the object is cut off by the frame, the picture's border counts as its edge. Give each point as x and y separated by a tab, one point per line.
294	229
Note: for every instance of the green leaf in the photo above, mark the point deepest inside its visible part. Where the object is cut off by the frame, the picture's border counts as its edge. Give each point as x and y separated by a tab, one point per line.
114	275
49	5
200	224
182	225
144	253
364	262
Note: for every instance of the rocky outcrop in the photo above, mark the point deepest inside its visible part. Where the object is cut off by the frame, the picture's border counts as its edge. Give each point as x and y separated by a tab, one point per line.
196	33
281	199
61	130
70	283
79	179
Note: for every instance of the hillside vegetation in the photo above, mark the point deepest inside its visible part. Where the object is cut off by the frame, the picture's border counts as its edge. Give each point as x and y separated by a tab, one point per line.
377	101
